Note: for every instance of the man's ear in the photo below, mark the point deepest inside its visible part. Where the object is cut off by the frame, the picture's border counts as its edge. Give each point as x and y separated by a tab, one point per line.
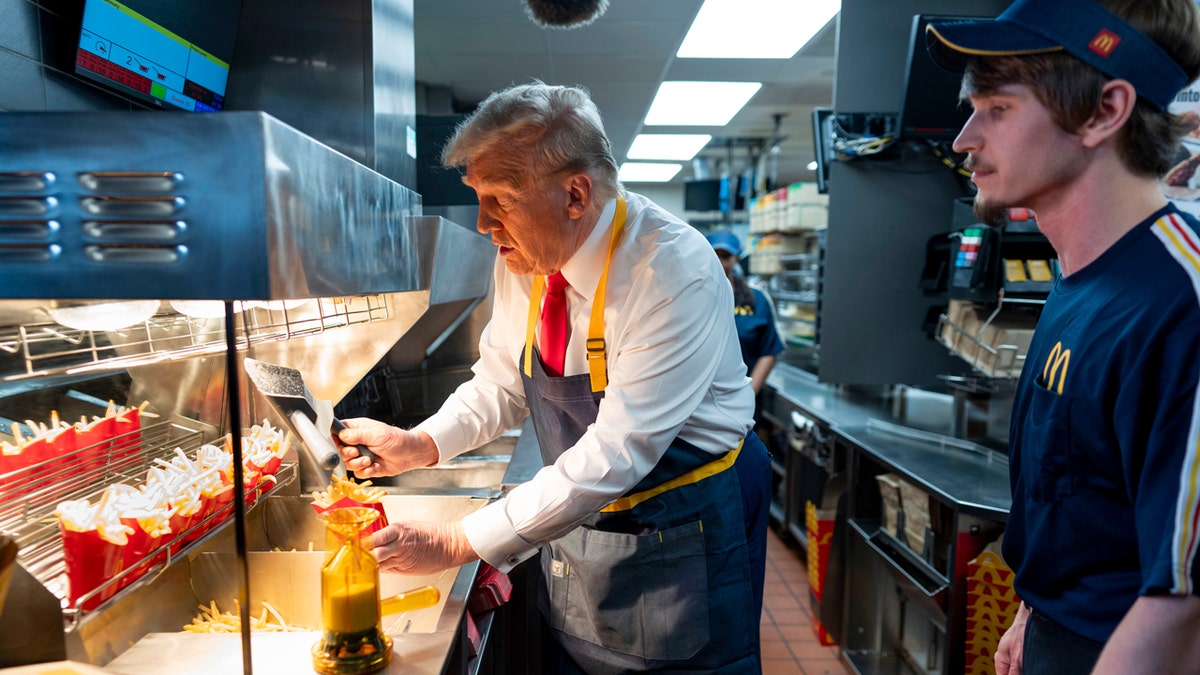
579	195
1116	104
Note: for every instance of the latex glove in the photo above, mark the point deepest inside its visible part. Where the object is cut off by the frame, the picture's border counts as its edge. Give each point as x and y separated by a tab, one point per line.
396	450
420	548
1010	652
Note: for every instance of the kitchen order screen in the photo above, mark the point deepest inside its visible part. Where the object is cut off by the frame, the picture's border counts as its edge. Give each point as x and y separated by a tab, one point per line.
132	52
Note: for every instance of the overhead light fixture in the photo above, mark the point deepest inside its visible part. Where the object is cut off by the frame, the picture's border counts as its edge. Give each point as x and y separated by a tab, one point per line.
647	172
667	146
811	166
755	29
699	103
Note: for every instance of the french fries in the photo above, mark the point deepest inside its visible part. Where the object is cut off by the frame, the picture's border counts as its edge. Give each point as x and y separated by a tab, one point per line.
212	620
340	488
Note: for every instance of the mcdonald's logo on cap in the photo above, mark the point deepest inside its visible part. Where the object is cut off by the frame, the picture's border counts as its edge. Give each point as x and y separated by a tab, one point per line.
1105	42
1058	358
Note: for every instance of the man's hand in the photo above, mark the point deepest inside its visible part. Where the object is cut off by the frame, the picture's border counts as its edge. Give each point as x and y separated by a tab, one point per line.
1010	653
421	548
396	450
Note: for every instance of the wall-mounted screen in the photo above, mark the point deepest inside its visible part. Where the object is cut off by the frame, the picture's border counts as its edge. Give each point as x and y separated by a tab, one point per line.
714	194
170	53
822	125
930	108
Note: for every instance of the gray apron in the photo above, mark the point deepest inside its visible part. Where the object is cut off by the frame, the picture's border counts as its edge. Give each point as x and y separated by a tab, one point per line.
663	579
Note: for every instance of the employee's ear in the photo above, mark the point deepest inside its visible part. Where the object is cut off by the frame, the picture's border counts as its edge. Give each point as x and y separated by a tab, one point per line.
579	194
1116	104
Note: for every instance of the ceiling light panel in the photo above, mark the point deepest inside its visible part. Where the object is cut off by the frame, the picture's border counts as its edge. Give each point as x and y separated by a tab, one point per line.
667	146
699	103
647	172
755	29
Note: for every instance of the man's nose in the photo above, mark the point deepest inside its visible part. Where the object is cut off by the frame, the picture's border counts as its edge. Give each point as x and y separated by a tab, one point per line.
967	139
485	223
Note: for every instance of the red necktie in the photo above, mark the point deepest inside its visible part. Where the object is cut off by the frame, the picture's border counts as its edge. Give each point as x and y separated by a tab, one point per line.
554	330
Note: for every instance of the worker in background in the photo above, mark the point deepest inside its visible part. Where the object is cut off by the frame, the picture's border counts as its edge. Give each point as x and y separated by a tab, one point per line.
651	512
752	313
1070	120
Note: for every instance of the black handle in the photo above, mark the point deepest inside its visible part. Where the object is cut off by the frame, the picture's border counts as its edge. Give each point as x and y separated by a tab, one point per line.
337	427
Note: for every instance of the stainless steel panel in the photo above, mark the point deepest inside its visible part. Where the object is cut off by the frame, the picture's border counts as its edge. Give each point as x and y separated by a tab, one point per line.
268	212
25	180
341	72
282	530
393	79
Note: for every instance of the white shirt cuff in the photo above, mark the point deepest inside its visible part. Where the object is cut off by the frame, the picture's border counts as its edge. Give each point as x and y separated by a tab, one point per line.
494	539
446	432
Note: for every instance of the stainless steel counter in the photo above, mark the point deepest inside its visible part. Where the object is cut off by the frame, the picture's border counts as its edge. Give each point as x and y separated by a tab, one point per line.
526	457
286	575
823	402
976	482
972	477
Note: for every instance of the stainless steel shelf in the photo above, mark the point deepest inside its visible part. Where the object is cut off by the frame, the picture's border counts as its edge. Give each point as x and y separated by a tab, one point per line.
32	350
85	472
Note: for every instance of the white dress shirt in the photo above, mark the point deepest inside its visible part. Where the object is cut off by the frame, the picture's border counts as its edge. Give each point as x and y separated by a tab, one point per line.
674	370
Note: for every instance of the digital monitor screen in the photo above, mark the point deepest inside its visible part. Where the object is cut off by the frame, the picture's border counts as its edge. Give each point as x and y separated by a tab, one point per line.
822	124
171	53
714	194
702	195
930	108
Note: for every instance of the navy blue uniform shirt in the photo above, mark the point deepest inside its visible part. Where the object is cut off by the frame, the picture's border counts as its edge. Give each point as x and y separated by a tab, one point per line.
756	329
1105	425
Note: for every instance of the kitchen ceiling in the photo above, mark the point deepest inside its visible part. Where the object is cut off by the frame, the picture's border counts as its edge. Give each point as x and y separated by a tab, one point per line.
466	49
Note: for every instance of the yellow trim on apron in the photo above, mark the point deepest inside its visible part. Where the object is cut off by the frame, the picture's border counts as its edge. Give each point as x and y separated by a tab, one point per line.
694	476
597	354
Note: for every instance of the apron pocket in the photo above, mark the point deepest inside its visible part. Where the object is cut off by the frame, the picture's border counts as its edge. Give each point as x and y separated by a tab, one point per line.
643	595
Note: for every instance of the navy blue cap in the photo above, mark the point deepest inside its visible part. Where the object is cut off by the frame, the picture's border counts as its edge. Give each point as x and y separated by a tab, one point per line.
1082	28
725	241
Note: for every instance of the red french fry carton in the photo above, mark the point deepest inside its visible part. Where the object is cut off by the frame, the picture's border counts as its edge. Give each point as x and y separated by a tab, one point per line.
222	502
126	436
94	442
269	468
53	475
32	464
346	502
92	560
12	467
142	551
251	481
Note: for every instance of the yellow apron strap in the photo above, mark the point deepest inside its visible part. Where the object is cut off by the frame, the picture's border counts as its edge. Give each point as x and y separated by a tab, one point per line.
535	303
597	349
694	476
596	346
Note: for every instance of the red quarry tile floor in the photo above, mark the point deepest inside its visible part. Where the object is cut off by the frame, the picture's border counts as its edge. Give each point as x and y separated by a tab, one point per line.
789	643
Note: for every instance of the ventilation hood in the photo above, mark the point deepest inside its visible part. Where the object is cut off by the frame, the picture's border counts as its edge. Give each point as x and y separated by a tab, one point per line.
235	206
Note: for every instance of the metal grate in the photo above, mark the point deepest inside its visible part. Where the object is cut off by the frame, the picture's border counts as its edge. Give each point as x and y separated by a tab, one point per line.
27	504
49	348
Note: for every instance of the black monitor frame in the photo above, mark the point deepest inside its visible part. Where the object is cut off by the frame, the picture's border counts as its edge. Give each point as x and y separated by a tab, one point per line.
211	27
930	106
822	126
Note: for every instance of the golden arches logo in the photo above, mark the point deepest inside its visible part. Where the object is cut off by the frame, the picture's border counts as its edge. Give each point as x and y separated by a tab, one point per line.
1058	358
1105	42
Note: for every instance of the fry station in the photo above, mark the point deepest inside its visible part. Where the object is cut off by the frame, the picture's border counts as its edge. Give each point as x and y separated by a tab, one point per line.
523	337
149	490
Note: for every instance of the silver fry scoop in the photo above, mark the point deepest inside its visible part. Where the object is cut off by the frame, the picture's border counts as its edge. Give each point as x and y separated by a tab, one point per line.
285	389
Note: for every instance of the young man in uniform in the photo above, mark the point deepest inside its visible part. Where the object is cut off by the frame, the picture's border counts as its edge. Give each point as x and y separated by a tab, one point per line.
1070	120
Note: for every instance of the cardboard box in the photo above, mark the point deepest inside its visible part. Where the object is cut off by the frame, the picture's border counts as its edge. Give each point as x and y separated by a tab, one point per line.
994	345
898	494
